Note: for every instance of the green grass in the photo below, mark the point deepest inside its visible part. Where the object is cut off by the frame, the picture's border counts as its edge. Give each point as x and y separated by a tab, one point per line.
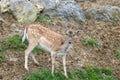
2	58
118	54
15	43
43	18
37	50
92	73
90	42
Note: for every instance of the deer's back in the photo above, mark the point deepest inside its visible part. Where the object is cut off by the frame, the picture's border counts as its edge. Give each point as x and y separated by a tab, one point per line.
45	37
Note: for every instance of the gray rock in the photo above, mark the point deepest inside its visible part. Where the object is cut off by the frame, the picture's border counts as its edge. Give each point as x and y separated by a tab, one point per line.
13	59
67	9
2	20
105	13
4	5
23	10
13	25
26	11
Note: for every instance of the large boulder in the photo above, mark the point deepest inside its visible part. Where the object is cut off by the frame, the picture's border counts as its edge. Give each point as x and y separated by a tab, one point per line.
4	5
105	13
65	9
26	11
23	10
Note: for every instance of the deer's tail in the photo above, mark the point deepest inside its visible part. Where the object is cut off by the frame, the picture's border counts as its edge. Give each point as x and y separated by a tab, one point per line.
24	35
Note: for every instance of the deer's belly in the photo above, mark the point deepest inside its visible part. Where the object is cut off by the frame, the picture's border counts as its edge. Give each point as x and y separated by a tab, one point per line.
45	44
44	47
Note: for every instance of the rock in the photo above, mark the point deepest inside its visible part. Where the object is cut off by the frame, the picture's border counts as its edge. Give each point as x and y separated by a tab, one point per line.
105	13
13	59
37	4
23	10
4	5
26	10
13	25
67	9
2	20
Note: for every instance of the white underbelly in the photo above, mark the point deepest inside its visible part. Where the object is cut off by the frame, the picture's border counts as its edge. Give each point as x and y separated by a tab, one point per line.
44	47
45	44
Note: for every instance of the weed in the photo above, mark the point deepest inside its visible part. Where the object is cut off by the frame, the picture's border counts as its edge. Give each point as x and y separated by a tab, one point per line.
90	42
15	43
92	73
118	54
43	18
107	71
37	50
2	58
1	49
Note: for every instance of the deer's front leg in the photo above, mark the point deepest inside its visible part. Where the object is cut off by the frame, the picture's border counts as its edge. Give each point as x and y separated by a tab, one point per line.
53	62
64	65
27	52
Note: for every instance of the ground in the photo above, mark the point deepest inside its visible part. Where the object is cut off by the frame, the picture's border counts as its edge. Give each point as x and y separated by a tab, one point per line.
106	33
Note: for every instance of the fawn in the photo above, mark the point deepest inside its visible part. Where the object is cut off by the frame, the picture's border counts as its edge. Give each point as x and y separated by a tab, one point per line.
48	40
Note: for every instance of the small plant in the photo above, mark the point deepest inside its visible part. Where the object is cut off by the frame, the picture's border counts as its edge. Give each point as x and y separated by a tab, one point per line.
1	49
2	58
43	18
92	73
15	43
37	50
118	54
90	42
107	71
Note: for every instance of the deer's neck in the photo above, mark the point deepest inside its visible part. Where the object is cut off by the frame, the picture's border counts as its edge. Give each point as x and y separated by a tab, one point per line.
66	45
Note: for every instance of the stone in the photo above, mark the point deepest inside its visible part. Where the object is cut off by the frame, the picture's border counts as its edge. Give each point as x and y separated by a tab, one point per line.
65	9
105	13
23	10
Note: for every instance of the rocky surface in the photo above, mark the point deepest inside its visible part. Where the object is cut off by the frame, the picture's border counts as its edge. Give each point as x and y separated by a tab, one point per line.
68	9
105	13
23	10
65	9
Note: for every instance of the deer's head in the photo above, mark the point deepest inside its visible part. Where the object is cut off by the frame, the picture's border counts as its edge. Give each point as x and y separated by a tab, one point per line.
71	33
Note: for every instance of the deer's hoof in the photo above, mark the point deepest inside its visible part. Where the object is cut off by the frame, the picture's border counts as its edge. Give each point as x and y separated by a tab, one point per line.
66	76
26	68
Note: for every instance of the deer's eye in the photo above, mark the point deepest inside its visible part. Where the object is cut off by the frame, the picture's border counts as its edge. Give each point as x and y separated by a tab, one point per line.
70	42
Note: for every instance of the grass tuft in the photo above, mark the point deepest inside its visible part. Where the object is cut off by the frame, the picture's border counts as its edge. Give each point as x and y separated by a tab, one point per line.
118	54
90	42
2	58
92	73
43	18
15	43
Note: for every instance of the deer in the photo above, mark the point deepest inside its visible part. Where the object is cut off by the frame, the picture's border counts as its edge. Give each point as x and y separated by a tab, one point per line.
47	40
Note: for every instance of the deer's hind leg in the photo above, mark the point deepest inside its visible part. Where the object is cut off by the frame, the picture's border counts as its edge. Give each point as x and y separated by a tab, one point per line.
33	57
27	53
